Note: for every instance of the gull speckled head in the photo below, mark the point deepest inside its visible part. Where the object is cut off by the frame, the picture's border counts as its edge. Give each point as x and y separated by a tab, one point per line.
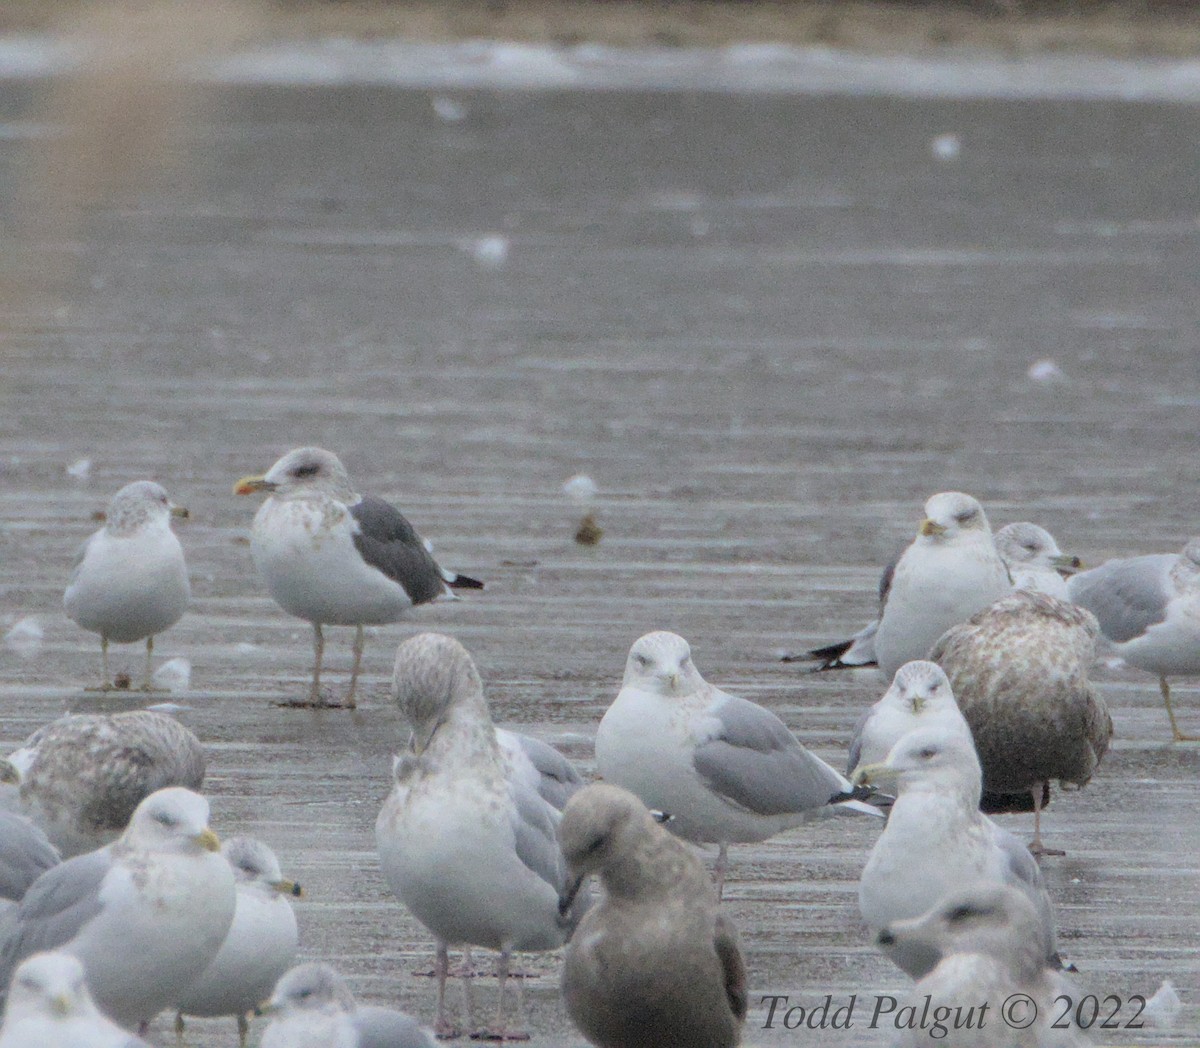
254	863
1026	543
930	755
172	819
302	471
311	988
662	662
138	504
51	986
921	685
951	514
433	672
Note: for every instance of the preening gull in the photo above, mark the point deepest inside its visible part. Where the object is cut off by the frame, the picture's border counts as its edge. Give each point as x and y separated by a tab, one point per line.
1020	673
82	776
25	854
1149	608
49	1007
145	915
1034	560
950	571
336	558
726	769
465	840
937	840
260	945
312	1007
985	938
130	582
655	962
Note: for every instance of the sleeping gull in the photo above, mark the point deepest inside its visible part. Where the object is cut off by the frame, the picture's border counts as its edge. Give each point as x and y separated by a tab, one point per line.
936	839
25	854
857	650
145	915
49	1007
336	558
130	582
465	841
655	962
950	571
1034	559
312	1007
985	941
1020	673
727	770
259	946
1149	607
82	776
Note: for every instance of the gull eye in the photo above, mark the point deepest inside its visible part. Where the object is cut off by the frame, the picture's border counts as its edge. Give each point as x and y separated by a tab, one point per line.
165	818
594	846
309	469
641	660
928	753
965	516
962	913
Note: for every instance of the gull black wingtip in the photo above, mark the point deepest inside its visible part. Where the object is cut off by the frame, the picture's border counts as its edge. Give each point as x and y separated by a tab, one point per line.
465	582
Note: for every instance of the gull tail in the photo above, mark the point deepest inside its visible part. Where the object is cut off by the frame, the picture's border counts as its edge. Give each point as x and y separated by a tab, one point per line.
456	581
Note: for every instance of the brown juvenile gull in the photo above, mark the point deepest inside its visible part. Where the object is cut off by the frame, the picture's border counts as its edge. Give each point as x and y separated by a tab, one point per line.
336	558
1020	673
726	769
82	776
465	839
1149	608
985	941
130	581
655	962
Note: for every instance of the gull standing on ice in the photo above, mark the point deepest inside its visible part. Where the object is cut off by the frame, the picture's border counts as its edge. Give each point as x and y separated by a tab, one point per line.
336	558
465	840
728	771
1034	559
312	1007
145	915
936	839
655	962
1149	608
130	582
950	571
260	945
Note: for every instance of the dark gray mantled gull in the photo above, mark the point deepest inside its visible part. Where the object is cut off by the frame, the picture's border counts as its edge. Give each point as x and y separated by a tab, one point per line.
465	839
985	938
1020	673
1149	608
312	1006
936	839
726	769
49	1006
145	915
336	558
82	776
655	962
25	854
130	582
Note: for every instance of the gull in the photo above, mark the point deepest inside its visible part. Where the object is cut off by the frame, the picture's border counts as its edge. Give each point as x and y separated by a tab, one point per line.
49	1007
1149	608
1020	673
144	915
129	581
541	767
25	854
336	558
260	945
727	770
1034	559
465	841
985	941
312	1007
936	839
82	776
655	962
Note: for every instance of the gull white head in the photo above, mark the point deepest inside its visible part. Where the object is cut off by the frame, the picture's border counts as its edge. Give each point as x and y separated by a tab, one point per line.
1024	543
174	820
950	516
49	986
662	662
312	989
138	504
921	687
432	674
301	472
937	759
254	863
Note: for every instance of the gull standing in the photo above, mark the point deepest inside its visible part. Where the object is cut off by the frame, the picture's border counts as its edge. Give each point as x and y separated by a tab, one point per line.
144	915
1034	559
465	840
336	558
1149	607
655	962
130	582
260	945
727	770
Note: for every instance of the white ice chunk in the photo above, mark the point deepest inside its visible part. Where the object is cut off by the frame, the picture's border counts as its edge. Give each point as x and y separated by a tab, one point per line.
448	109
580	488
25	636
1164	1007
946	147
175	675
1045	371
80	469
490	251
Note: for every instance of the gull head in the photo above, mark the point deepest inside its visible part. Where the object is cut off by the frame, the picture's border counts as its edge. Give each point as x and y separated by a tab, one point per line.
254	863
1027	544
662	662
10	775
138	504
921	686
50	986
173	819
433	673
951	515
310	988
939	758
302	471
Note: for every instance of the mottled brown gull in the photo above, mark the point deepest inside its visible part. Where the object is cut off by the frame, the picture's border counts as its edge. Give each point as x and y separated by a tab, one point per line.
1020	673
655	962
